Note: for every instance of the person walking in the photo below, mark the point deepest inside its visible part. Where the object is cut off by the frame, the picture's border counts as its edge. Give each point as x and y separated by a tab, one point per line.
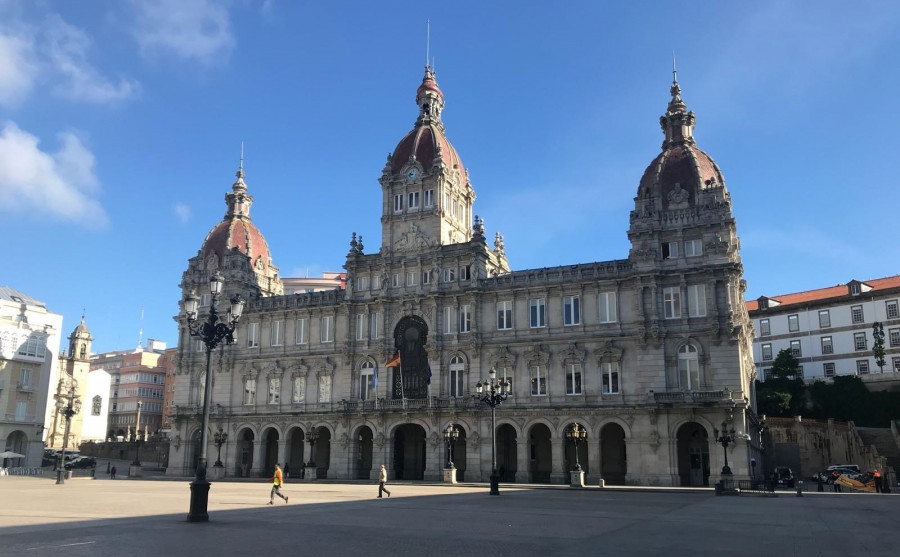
382	479
277	480
112	473
877	475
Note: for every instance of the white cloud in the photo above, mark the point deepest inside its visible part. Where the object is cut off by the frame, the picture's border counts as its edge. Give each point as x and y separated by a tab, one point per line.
61	184
191	29
66	51
182	211
18	69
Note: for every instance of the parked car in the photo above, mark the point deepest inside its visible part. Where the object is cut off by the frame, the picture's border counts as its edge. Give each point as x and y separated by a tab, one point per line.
784	476
50	457
81	462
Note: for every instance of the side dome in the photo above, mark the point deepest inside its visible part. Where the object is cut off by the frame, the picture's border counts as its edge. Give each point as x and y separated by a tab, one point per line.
679	174
427	145
236	232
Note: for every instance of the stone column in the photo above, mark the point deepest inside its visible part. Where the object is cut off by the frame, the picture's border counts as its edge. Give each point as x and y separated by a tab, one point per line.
594	460
558	474
523	461
258	460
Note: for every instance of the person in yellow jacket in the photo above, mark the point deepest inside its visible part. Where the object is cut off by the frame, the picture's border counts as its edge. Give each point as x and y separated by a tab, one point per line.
382	479
277	480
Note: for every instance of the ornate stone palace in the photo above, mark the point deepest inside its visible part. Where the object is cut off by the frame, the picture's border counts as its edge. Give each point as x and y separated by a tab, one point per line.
650	353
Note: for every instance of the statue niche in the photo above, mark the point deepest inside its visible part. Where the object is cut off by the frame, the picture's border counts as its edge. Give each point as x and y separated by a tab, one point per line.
410	380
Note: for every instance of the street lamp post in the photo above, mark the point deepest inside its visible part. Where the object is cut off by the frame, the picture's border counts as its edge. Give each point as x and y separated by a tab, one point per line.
312	437
212	332
219	439
725	437
451	434
493	392
138	437
68	405
576	434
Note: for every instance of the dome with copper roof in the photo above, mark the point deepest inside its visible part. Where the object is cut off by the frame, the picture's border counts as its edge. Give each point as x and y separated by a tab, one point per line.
679	174
236	232
426	144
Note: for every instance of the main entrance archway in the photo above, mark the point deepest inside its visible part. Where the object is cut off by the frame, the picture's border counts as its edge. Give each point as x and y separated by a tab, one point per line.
410	380
693	455
613	465
540	454
409	452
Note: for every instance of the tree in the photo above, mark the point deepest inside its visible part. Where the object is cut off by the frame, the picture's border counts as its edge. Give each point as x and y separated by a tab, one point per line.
782	394
878	346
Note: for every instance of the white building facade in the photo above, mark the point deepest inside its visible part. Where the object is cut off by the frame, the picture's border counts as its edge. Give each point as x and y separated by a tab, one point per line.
650	353
830	330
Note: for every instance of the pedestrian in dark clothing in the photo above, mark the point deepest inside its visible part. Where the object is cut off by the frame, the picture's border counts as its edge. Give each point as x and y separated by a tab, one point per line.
107	467
112	473
877	475
382	479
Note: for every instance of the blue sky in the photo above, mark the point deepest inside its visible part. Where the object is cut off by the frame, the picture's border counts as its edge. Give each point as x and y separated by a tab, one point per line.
121	125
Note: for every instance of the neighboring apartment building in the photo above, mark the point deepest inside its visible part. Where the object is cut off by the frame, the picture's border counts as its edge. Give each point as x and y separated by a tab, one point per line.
136	376
29	342
650	353
329	281
829	330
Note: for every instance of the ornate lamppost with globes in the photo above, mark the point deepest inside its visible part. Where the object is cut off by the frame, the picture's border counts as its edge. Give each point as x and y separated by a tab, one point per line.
725	437
219	439
212	332
310	472
576	434
493	392
451	434
67	405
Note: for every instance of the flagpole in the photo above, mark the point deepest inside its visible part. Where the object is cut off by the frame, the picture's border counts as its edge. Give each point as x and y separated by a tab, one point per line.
402	392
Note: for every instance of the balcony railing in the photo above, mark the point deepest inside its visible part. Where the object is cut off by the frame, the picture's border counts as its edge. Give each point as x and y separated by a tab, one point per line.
675	397
24	386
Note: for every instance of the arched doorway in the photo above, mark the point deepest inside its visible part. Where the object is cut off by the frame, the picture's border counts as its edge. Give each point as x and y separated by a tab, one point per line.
506	453
612	454
363	453
409	452
295	464
693	455
582	460
322	452
540	454
270	457
244	462
16	442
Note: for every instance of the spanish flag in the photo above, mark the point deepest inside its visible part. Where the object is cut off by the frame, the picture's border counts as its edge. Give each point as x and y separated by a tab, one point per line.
394	361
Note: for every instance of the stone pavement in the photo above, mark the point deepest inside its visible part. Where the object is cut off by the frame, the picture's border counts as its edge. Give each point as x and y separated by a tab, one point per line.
146	518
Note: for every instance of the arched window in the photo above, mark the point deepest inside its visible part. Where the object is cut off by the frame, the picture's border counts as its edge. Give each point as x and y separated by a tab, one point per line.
688	368
367	380
457	377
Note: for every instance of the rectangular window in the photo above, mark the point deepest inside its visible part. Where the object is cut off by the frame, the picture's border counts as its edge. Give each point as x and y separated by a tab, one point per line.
25	378
253	335
465	318
670	250
448	321
538	381
398	203
274	390
249	391
827	346
891	309
376	283
457	381
764	329
301	335
824	318
862	367
610	378
21	410
275	339
373	326
446	201
795	348
767	373
365	383
360	323
362	283
449	275
505	374
504	316
854	289
793	323
414	200
894	337
672	302
465	272
573	379
607	303
426	277
536	318
429	198
327	325
696	300
410	278
766	351
856	314
571	310
896	360
693	248
453	207
859	341
395	280
828	369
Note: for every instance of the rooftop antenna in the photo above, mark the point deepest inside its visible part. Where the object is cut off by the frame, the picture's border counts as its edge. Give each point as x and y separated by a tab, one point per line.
674	70
141	329
427	42
242	155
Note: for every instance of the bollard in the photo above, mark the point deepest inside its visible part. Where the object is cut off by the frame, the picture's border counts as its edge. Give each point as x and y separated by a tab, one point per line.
799	488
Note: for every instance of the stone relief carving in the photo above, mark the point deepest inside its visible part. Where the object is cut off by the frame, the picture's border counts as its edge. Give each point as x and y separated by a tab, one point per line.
412	239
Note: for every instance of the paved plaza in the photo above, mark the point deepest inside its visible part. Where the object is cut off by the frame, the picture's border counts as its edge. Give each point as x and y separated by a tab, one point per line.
146	518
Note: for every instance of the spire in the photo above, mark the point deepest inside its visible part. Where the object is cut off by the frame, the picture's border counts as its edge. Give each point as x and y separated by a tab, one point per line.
239	200
429	98
678	122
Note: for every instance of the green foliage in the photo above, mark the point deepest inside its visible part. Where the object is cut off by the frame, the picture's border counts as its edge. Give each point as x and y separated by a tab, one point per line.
848	399
783	394
878	346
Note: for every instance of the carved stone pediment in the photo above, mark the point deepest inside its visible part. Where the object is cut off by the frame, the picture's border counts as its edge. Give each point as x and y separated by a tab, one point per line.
609	353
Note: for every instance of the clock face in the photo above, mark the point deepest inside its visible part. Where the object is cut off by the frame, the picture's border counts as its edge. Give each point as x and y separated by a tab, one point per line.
412	174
